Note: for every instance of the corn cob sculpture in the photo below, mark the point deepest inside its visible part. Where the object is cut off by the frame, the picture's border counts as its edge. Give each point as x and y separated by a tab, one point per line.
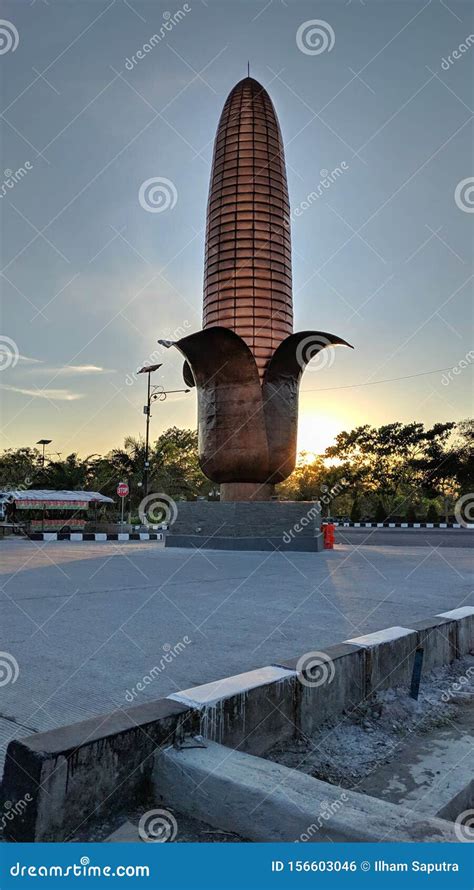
247	363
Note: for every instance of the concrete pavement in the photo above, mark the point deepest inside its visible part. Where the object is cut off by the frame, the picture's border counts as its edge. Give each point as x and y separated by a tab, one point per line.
98	626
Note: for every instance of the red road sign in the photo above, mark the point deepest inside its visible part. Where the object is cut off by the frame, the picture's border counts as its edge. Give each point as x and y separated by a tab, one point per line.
122	489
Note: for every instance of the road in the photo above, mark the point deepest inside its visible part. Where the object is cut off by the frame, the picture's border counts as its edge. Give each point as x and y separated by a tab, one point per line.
406	537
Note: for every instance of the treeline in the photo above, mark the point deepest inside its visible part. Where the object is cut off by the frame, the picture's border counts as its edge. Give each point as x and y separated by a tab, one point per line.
397	471
174	468
394	471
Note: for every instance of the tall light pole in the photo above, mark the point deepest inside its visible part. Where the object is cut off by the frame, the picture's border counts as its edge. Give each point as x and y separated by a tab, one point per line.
44	442
154	393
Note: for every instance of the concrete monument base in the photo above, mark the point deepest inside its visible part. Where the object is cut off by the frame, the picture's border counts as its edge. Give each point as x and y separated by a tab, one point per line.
247	525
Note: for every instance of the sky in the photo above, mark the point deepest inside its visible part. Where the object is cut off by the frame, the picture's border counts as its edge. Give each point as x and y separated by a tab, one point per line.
94	272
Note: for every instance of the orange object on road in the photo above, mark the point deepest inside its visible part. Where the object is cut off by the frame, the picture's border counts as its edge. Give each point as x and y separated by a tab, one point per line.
329	536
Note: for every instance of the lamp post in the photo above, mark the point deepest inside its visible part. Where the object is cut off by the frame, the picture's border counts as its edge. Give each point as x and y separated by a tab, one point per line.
43	442
154	393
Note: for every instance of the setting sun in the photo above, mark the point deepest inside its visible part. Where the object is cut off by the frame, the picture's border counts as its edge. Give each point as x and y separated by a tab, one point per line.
317	431
321	419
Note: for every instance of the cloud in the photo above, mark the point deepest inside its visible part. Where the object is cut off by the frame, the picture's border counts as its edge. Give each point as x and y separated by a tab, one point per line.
29	360
54	395
71	370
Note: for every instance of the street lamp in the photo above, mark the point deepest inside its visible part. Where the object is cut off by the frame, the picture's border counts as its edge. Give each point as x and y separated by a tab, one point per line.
44	442
154	393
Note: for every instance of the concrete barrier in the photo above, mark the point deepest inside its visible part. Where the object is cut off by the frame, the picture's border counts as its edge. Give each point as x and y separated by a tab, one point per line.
439	639
389	655
87	769
77	537
264	801
330	682
464	618
247	711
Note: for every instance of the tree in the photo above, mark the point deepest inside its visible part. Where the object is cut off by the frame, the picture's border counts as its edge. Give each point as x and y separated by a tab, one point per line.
462	456
411	513
391	461
432	513
70	474
175	465
313	480
121	465
19	467
355	511
306	480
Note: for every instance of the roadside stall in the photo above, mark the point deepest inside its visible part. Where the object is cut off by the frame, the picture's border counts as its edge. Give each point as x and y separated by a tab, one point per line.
35	510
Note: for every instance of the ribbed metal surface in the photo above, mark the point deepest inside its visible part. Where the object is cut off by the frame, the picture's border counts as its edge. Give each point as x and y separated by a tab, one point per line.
247	277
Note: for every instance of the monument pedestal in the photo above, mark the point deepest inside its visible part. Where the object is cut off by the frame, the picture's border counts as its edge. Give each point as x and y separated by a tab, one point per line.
246	491
247	525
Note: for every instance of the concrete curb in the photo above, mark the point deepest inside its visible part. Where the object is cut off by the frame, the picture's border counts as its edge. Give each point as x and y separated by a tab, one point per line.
399	525
439	640
389	657
322	697
248	710
264	801
88	768
299	545
95	536
464	620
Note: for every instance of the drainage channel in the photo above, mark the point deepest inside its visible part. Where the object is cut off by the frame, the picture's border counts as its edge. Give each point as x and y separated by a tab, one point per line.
391	769
416	754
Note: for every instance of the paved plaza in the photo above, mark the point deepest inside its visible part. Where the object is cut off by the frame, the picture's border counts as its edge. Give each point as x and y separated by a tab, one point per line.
88	622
